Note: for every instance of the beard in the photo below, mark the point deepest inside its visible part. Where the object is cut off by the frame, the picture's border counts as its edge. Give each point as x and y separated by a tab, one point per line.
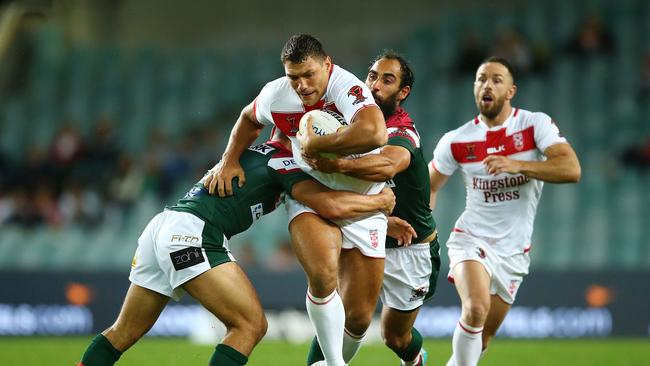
387	105
492	111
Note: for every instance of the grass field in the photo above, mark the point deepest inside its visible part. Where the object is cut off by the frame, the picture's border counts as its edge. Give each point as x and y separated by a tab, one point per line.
167	352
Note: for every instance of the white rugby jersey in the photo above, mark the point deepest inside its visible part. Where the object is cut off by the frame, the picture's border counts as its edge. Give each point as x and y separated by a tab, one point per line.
278	104
499	209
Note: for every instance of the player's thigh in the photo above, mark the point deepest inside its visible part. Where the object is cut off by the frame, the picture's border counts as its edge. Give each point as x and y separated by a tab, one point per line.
140	310
472	282
316	242
226	292
396	323
360	280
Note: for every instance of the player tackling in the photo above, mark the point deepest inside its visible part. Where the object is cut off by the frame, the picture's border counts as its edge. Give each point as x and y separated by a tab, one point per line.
505	155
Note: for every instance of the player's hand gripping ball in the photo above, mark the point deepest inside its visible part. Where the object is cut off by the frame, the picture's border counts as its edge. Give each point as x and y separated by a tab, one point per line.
323	122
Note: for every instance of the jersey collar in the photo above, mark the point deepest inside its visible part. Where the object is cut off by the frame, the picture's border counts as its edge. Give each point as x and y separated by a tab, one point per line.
479	122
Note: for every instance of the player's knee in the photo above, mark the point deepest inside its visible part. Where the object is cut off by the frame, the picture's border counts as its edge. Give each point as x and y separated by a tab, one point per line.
251	328
475	312
357	321
122	338
395	341
322	280
260	329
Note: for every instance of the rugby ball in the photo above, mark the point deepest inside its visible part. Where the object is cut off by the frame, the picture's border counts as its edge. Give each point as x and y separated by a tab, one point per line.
323	122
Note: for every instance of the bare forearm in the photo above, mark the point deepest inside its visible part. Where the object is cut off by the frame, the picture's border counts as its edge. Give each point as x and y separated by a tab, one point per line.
374	167
556	170
366	132
350	205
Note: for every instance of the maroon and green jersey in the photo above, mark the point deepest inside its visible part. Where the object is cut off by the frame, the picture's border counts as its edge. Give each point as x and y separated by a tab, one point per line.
270	170
411	187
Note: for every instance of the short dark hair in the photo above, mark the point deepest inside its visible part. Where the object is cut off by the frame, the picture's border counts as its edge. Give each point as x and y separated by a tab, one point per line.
502	61
408	77
299	47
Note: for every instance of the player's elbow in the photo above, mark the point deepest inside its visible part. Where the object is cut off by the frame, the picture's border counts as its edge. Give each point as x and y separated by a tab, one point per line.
387	174
377	136
575	174
381	137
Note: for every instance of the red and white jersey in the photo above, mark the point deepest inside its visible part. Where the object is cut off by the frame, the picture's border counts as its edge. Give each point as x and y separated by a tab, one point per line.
278	104
499	209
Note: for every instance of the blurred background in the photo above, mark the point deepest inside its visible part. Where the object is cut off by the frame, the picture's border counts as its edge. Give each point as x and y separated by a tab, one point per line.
111	109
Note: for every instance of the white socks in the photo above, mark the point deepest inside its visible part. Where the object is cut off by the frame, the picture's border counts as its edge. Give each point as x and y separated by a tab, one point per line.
467	345
328	318
351	345
452	362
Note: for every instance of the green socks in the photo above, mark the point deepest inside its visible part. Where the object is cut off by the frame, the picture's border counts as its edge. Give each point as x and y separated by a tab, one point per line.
100	352
315	353
227	356
412	350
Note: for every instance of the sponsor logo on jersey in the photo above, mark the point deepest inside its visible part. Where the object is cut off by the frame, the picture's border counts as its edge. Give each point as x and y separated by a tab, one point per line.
374	237
187	257
470	151
480	252
283	165
496	150
263	149
357	92
177	238
518	140
494	185
257	211
418	293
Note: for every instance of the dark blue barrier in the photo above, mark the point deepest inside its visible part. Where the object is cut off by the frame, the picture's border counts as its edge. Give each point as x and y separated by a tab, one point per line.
569	304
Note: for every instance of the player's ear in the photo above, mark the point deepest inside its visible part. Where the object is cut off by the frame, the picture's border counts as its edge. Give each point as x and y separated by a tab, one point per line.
511	92
327	62
403	93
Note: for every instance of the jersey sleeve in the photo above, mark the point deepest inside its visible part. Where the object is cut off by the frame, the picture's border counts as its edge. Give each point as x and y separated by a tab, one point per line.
286	172
443	159
351	95
262	104
404	137
546	132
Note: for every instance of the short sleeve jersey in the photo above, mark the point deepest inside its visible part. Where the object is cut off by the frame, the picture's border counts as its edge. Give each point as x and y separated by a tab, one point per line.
411	186
270	170
278	104
499	209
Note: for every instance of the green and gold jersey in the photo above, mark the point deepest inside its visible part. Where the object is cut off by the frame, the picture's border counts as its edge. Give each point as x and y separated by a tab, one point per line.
411	187
270	170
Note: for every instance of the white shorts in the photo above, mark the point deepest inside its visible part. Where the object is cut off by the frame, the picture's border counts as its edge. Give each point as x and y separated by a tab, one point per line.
170	253
506	272
368	233
410	275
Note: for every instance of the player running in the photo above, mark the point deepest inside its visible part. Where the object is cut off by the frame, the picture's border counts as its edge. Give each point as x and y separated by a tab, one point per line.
311	82
505	155
185	249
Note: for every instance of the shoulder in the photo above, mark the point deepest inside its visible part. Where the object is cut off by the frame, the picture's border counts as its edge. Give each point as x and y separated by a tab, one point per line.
276	87
343	81
529	118
465	132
